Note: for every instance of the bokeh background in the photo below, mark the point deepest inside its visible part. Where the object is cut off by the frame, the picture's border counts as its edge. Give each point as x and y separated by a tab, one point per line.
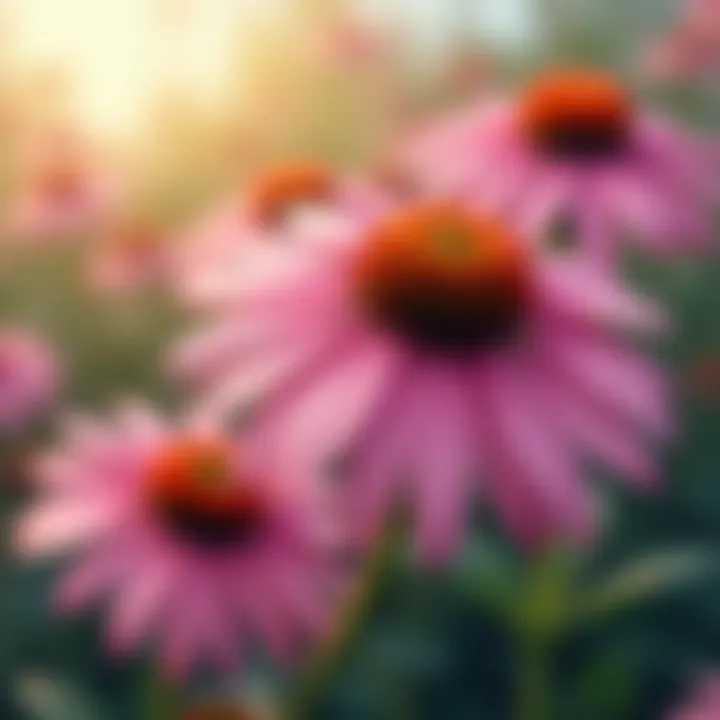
182	100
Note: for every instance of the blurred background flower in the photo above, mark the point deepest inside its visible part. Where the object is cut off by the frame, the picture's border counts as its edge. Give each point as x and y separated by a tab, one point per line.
574	145
134	254
690	48
62	193
191	539
30	375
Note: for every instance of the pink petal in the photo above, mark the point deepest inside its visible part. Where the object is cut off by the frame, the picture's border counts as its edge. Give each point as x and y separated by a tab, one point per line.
257	270
384	457
57	525
595	232
534	452
261	375
598	431
445	461
60	472
209	606
618	379
574	290
140	424
139	602
213	350
327	414
101	568
299	595
549	198
265	617
197	625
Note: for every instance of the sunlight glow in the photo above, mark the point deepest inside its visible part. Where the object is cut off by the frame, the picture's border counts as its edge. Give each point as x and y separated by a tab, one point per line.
119	52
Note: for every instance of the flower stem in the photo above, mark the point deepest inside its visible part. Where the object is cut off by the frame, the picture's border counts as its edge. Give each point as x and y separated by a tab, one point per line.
159	699
331	654
542	620
533	692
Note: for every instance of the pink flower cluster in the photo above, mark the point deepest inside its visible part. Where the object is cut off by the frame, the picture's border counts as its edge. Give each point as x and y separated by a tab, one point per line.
437	341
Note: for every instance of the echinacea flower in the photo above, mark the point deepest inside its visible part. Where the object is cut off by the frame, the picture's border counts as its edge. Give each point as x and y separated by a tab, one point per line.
353	44
29	376
279	204
691	49
63	193
704	704
574	147
435	348
135	254
189	539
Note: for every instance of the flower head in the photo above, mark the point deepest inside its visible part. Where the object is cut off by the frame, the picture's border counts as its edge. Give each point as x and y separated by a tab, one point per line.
279	205
64	192
193	540
134	254
351	44
29	376
690	49
440	353
575	146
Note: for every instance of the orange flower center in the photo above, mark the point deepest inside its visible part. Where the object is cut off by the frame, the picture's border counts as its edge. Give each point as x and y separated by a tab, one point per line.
445	279
194	488
577	115
279	191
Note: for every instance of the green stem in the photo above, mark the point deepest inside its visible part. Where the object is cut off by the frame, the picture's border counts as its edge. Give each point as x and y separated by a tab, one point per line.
533	692
159	698
541	622
330	655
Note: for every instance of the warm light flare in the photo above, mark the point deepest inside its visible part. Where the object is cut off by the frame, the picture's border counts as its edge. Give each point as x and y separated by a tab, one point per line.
118	54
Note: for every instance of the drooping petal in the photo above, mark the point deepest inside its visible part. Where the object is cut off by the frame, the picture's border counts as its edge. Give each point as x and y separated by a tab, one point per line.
618	379
534	452
445	463
57	525
601	433
140	602
572	289
323	420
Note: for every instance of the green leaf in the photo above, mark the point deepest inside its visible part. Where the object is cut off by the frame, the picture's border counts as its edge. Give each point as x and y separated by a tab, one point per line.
45	698
608	687
644	579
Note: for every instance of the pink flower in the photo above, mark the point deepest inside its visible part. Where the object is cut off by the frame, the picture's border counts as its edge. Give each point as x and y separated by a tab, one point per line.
64	193
691	48
350	43
574	148
192	541
438	350
704	703
29	376
281	203
134	255
470	72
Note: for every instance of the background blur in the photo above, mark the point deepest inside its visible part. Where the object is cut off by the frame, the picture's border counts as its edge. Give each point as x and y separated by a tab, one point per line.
182	99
